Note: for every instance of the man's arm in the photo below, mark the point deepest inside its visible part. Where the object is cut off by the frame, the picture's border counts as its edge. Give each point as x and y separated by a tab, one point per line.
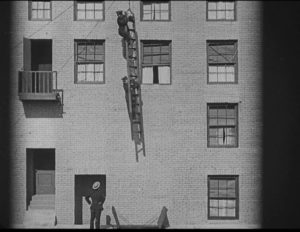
87	199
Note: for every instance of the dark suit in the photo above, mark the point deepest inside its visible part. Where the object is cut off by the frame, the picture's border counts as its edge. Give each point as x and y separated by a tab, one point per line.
96	204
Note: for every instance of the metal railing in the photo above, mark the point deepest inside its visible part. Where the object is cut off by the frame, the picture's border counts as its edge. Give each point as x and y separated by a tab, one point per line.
37	82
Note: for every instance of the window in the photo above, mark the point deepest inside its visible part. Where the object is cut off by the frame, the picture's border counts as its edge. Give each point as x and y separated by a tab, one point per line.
223	197
221	10
89	61
39	10
155	10
222	61
89	10
222	125
156	62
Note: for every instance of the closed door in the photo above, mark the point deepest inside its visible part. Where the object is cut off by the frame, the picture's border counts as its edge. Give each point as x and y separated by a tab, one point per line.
45	181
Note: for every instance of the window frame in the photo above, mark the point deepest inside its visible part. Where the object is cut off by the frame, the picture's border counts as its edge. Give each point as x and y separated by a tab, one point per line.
38	19
82	20
222	20
222	42
76	63
142	58
237	197
236	106
150	20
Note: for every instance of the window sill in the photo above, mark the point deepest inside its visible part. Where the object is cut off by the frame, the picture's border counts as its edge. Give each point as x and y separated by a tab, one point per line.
89	83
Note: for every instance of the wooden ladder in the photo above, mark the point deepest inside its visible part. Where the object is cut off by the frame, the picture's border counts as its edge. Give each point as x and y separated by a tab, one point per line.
132	86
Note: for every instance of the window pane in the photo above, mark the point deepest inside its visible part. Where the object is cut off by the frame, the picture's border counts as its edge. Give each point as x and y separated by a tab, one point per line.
90	67
148	75
40	14
231	204
222	208
81	15
214	203
213	141
230	121
89	14
213	122
99	77
40	5
47	5
146	7
214	193
34	14
230	15
221	5
164	15
147	16
81	6
213	112
81	67
34	5
80	77
230	213
213	77
164	6
156	6
212	5
99	57
229	5
99	15
164	75
98	67
98	6
47	14
90	6
220	14
213	132
147	60
213	212
221	77
212	15
90	77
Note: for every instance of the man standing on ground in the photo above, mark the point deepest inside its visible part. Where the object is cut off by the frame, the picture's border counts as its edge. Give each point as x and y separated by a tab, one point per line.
96	205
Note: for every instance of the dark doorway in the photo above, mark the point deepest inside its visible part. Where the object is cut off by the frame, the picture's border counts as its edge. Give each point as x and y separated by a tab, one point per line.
83	184
41	55
40	174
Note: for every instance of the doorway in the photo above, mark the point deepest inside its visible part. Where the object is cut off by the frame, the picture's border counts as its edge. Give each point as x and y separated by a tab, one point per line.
83	184
40	173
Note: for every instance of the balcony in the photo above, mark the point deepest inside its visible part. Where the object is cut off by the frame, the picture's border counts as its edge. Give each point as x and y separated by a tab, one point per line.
39	85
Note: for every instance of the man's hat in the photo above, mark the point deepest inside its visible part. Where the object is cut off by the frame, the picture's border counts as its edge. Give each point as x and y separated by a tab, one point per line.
96	185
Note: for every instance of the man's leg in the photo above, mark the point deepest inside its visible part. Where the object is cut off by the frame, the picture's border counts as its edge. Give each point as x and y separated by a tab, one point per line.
92	219
98	215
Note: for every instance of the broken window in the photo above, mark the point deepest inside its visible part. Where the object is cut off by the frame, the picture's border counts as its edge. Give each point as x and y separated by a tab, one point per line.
222	125
89	61
156	62
222	61
39	10
221	10
156	10
223	197
89	10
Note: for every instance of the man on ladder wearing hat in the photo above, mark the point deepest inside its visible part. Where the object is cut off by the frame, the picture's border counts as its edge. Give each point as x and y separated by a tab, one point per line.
96	205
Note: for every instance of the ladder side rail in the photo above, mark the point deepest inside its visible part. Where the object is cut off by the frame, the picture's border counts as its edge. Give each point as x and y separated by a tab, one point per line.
129	87
139	77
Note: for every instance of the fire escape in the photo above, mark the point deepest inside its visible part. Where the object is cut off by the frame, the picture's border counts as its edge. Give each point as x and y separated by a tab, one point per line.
132	82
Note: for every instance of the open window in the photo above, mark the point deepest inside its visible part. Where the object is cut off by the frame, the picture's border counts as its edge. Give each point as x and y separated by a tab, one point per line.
222	61
156	62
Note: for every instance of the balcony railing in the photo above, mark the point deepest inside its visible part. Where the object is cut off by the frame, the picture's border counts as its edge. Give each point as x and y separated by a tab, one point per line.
38	85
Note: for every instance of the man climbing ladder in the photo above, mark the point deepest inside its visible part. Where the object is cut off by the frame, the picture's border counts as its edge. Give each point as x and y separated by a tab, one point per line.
132	82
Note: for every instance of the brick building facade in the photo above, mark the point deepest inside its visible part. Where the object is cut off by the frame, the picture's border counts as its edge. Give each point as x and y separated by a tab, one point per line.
205	171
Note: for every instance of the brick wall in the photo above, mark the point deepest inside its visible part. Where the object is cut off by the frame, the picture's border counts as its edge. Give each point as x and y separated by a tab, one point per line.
93	135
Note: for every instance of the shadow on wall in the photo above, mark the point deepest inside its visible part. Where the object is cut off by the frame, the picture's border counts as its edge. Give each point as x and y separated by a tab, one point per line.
281	157
43	109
